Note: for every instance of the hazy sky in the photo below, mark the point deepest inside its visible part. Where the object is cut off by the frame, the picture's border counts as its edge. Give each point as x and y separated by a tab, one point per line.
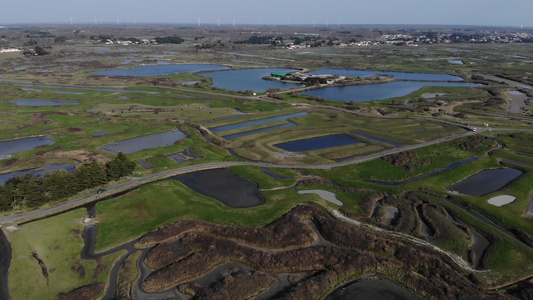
280	12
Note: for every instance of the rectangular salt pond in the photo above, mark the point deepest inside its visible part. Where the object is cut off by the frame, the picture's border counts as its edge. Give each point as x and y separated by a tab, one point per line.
317	143
256	122
241	134
485	182
150	141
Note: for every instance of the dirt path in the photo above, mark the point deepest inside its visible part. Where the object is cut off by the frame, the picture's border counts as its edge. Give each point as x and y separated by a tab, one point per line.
518	102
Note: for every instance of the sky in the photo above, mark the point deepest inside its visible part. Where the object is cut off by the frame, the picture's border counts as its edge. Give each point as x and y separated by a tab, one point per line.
271	12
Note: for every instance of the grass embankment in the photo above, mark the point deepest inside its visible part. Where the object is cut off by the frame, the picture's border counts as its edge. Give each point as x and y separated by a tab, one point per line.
506	260
58	243
168	201
321	122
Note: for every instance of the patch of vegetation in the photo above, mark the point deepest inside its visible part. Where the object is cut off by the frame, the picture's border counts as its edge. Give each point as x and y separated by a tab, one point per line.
58	242
31	191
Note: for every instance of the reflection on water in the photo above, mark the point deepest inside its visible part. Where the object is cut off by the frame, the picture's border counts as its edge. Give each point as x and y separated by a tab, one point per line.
485	182
136	144
256	122
374	289
241	134
31	102
223	185
380	91
397	75
318	143
37	172
13	146
249	79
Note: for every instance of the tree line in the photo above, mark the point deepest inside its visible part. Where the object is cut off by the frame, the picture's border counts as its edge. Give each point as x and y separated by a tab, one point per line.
31	191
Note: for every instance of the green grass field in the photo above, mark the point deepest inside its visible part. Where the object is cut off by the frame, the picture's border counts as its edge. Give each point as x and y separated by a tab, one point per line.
58	243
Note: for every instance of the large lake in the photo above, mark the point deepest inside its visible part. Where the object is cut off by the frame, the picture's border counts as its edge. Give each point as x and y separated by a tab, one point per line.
18	145
155	70
249	79
380	91
397	75
316	143
150	141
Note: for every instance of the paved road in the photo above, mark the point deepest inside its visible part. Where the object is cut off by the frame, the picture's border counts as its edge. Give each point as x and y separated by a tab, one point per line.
135	182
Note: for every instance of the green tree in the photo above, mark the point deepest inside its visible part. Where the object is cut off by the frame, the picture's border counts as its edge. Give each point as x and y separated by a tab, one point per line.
119	166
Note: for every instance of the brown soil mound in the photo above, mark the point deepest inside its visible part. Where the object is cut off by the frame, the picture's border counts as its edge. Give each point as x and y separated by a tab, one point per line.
87	292
351	251
79	155
233	286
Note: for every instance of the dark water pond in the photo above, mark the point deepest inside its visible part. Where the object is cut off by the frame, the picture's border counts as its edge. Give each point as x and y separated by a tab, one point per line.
397	75
150	141
37	172
13	146
380	91
30	102
478	247
241	134
257	122
154	70
485	182
225	186
5	261
249	79
100	132
316	143
374	289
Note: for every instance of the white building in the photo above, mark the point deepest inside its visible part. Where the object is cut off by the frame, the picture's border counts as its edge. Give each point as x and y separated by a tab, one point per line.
8	50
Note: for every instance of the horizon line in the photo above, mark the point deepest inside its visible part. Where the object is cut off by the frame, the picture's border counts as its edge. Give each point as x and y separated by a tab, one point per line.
209	24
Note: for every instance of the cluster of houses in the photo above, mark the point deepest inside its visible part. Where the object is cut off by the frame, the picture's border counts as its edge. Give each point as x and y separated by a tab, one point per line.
307	79
130	42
